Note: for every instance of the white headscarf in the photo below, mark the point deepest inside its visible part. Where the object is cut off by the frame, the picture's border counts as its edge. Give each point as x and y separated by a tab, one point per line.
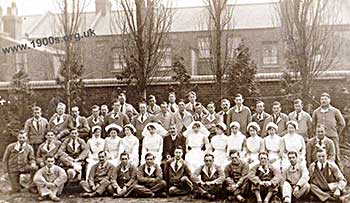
159	130
202	129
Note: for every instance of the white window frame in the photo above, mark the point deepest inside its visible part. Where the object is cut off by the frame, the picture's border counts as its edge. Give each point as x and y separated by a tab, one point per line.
204	48
270	53
118	63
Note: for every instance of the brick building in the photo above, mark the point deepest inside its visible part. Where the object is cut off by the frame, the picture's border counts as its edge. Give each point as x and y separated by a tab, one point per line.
253	23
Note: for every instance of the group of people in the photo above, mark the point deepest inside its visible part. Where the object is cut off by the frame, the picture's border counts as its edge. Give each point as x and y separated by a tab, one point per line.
181	148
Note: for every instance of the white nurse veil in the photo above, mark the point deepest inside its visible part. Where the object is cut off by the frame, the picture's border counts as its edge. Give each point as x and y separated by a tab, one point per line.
202	129
159	130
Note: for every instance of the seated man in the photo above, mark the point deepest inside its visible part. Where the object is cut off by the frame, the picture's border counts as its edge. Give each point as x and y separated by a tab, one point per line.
19	159
326	180
99	177
150	181
79	122
178	175
123	178
236	173
72	153
49	148
50	180
208	179
265	178
295	179
320	141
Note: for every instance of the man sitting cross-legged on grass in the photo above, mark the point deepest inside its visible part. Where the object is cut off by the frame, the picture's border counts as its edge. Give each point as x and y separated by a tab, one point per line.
208	179
123	178
236	183
99	177
326	180
178	175
295	179
50	180
265	178
150	181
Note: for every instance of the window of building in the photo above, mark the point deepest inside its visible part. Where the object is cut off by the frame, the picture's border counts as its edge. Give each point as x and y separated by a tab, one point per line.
204	47
166	60
233	44
270	54
118	61
21	61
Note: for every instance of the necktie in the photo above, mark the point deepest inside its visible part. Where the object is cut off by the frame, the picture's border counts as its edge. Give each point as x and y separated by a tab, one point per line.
20	147
172	108
176	165
95	120
74	146
48	146
297	116
122	108
275	119
58	119
209	172
182	115
320	142
36	125
322	167
75	122
225	118
142	117
149	169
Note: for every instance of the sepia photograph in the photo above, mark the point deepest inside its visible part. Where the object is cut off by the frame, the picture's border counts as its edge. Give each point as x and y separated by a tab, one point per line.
175	101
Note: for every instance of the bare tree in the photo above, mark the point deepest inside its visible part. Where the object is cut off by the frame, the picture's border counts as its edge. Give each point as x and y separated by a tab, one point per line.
308	30
219	42
144	25
71	67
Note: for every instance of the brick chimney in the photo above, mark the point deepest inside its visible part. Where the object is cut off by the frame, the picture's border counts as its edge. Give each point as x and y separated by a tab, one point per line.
12	22
103	6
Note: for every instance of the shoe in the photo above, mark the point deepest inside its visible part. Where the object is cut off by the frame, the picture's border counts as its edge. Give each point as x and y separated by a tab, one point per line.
55	199
42	198
230	198
86	194
163	194
33	190
115	195
212	197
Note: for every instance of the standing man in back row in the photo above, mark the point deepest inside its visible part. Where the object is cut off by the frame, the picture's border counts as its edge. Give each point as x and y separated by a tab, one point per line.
302	118
332	119
240	113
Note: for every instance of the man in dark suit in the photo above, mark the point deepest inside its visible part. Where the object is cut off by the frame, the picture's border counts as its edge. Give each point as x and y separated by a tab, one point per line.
95	118
208	179
164	116
240	113
236	173
116	116
80	123
150	181
182	118
171	142
178	175
320	141
36	128
123	179
260	115
141	120
223	114
172	106
277	117
72	153
59	122
99	177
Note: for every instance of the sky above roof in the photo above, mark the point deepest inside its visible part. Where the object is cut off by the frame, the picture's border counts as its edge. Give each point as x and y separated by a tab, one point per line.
32	7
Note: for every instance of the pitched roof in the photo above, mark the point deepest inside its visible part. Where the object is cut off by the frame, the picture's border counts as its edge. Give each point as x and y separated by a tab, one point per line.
186	19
